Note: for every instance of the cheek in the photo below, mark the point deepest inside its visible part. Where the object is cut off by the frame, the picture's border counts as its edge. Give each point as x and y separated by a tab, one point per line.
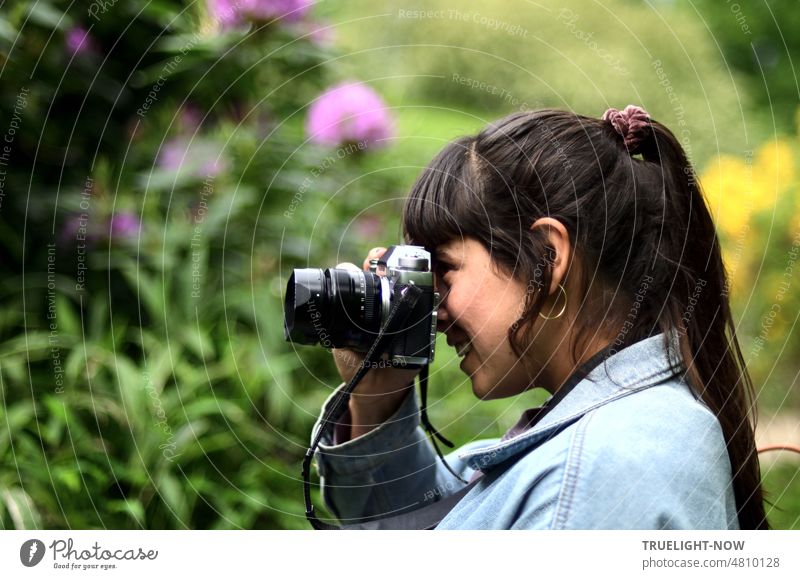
509	301
465	297
459	308
484	303
490	325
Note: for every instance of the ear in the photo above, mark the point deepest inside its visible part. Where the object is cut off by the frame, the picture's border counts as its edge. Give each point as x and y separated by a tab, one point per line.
558	239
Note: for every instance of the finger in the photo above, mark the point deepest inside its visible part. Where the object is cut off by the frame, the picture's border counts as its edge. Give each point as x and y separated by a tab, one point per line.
374	253
346	355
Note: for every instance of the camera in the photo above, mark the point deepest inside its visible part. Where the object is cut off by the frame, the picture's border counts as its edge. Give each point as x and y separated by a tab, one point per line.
343	308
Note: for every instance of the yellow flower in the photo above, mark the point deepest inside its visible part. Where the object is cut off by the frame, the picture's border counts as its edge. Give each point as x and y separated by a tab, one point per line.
737	255
736	188
728	187
773	173
794	224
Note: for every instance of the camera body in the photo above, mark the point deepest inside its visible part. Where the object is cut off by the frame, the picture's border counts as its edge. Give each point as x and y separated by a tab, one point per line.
343	308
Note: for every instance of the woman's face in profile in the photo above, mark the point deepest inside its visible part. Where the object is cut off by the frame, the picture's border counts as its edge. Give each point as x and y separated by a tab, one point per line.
479	304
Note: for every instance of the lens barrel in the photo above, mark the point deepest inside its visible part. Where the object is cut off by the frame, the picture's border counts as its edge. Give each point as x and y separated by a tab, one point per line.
337	308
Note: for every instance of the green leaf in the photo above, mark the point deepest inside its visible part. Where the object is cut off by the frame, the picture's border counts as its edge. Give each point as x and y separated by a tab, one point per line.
150	289
67	476
67	318
131	507
7	31
171	492
16	418
42	13
198	342
20	508
208	406
58	420
131	383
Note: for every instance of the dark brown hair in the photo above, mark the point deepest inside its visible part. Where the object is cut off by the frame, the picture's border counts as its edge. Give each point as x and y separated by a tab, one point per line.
637	219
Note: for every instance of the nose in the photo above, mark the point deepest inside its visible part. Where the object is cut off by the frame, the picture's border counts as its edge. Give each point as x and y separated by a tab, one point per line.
443	317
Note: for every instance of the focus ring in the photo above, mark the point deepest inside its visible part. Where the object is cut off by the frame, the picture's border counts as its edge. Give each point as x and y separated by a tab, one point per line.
369	299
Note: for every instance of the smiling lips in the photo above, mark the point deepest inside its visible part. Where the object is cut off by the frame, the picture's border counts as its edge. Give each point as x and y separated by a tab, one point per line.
463	347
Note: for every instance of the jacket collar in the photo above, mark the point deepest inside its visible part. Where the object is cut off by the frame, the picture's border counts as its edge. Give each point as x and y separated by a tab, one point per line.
639	366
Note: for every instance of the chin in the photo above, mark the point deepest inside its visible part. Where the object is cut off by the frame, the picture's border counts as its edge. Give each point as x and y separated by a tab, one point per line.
494	390
486	392
479	389
482	394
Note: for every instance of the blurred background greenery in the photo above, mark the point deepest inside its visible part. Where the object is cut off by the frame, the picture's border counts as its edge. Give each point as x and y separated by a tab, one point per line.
166	164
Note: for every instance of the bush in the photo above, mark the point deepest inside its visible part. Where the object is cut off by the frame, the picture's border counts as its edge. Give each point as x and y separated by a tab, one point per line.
158	188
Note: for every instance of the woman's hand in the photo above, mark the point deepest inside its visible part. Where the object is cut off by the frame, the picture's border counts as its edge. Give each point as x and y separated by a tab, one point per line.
381	390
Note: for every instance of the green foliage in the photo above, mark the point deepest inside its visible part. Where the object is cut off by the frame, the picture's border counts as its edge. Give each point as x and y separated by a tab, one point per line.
144	379
782	483
495	57
759	41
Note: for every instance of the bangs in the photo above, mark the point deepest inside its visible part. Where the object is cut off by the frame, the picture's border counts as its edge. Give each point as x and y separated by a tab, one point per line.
446	201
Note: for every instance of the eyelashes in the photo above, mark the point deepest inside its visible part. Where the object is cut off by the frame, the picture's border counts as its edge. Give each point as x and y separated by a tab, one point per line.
440	281
442	266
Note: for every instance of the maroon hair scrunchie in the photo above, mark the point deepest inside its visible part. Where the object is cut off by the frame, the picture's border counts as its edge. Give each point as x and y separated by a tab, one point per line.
631	123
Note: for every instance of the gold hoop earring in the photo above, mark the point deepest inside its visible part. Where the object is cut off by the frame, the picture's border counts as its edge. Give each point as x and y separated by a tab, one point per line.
563	308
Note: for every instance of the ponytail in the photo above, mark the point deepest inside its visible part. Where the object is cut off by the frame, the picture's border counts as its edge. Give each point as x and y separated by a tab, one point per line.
699	310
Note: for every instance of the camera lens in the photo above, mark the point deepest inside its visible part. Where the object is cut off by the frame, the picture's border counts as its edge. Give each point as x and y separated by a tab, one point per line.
337	308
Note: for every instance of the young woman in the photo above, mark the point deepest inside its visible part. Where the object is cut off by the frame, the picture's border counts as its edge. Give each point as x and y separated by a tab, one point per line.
578	255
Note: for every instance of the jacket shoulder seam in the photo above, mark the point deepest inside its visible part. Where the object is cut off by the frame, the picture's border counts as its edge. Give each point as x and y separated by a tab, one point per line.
572	467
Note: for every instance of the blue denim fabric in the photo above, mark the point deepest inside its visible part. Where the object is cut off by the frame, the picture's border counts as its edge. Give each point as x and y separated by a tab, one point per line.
629	447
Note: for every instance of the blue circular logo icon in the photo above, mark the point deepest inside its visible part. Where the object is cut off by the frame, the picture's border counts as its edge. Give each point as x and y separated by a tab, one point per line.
31	552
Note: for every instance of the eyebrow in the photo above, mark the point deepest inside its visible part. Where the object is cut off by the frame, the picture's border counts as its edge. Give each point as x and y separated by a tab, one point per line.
448	257
443	255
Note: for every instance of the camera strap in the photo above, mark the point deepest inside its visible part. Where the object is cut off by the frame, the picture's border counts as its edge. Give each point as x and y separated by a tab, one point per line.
426	423
408	297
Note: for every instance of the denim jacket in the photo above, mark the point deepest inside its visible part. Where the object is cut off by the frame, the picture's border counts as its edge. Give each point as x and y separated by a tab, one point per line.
629	447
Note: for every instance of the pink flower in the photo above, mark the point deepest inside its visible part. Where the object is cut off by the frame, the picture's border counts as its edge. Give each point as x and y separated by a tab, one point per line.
124	226
190	118
78	41
319	33
290	10
200	158
227	12
78	228
173	155
369	226
231	13
349	113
